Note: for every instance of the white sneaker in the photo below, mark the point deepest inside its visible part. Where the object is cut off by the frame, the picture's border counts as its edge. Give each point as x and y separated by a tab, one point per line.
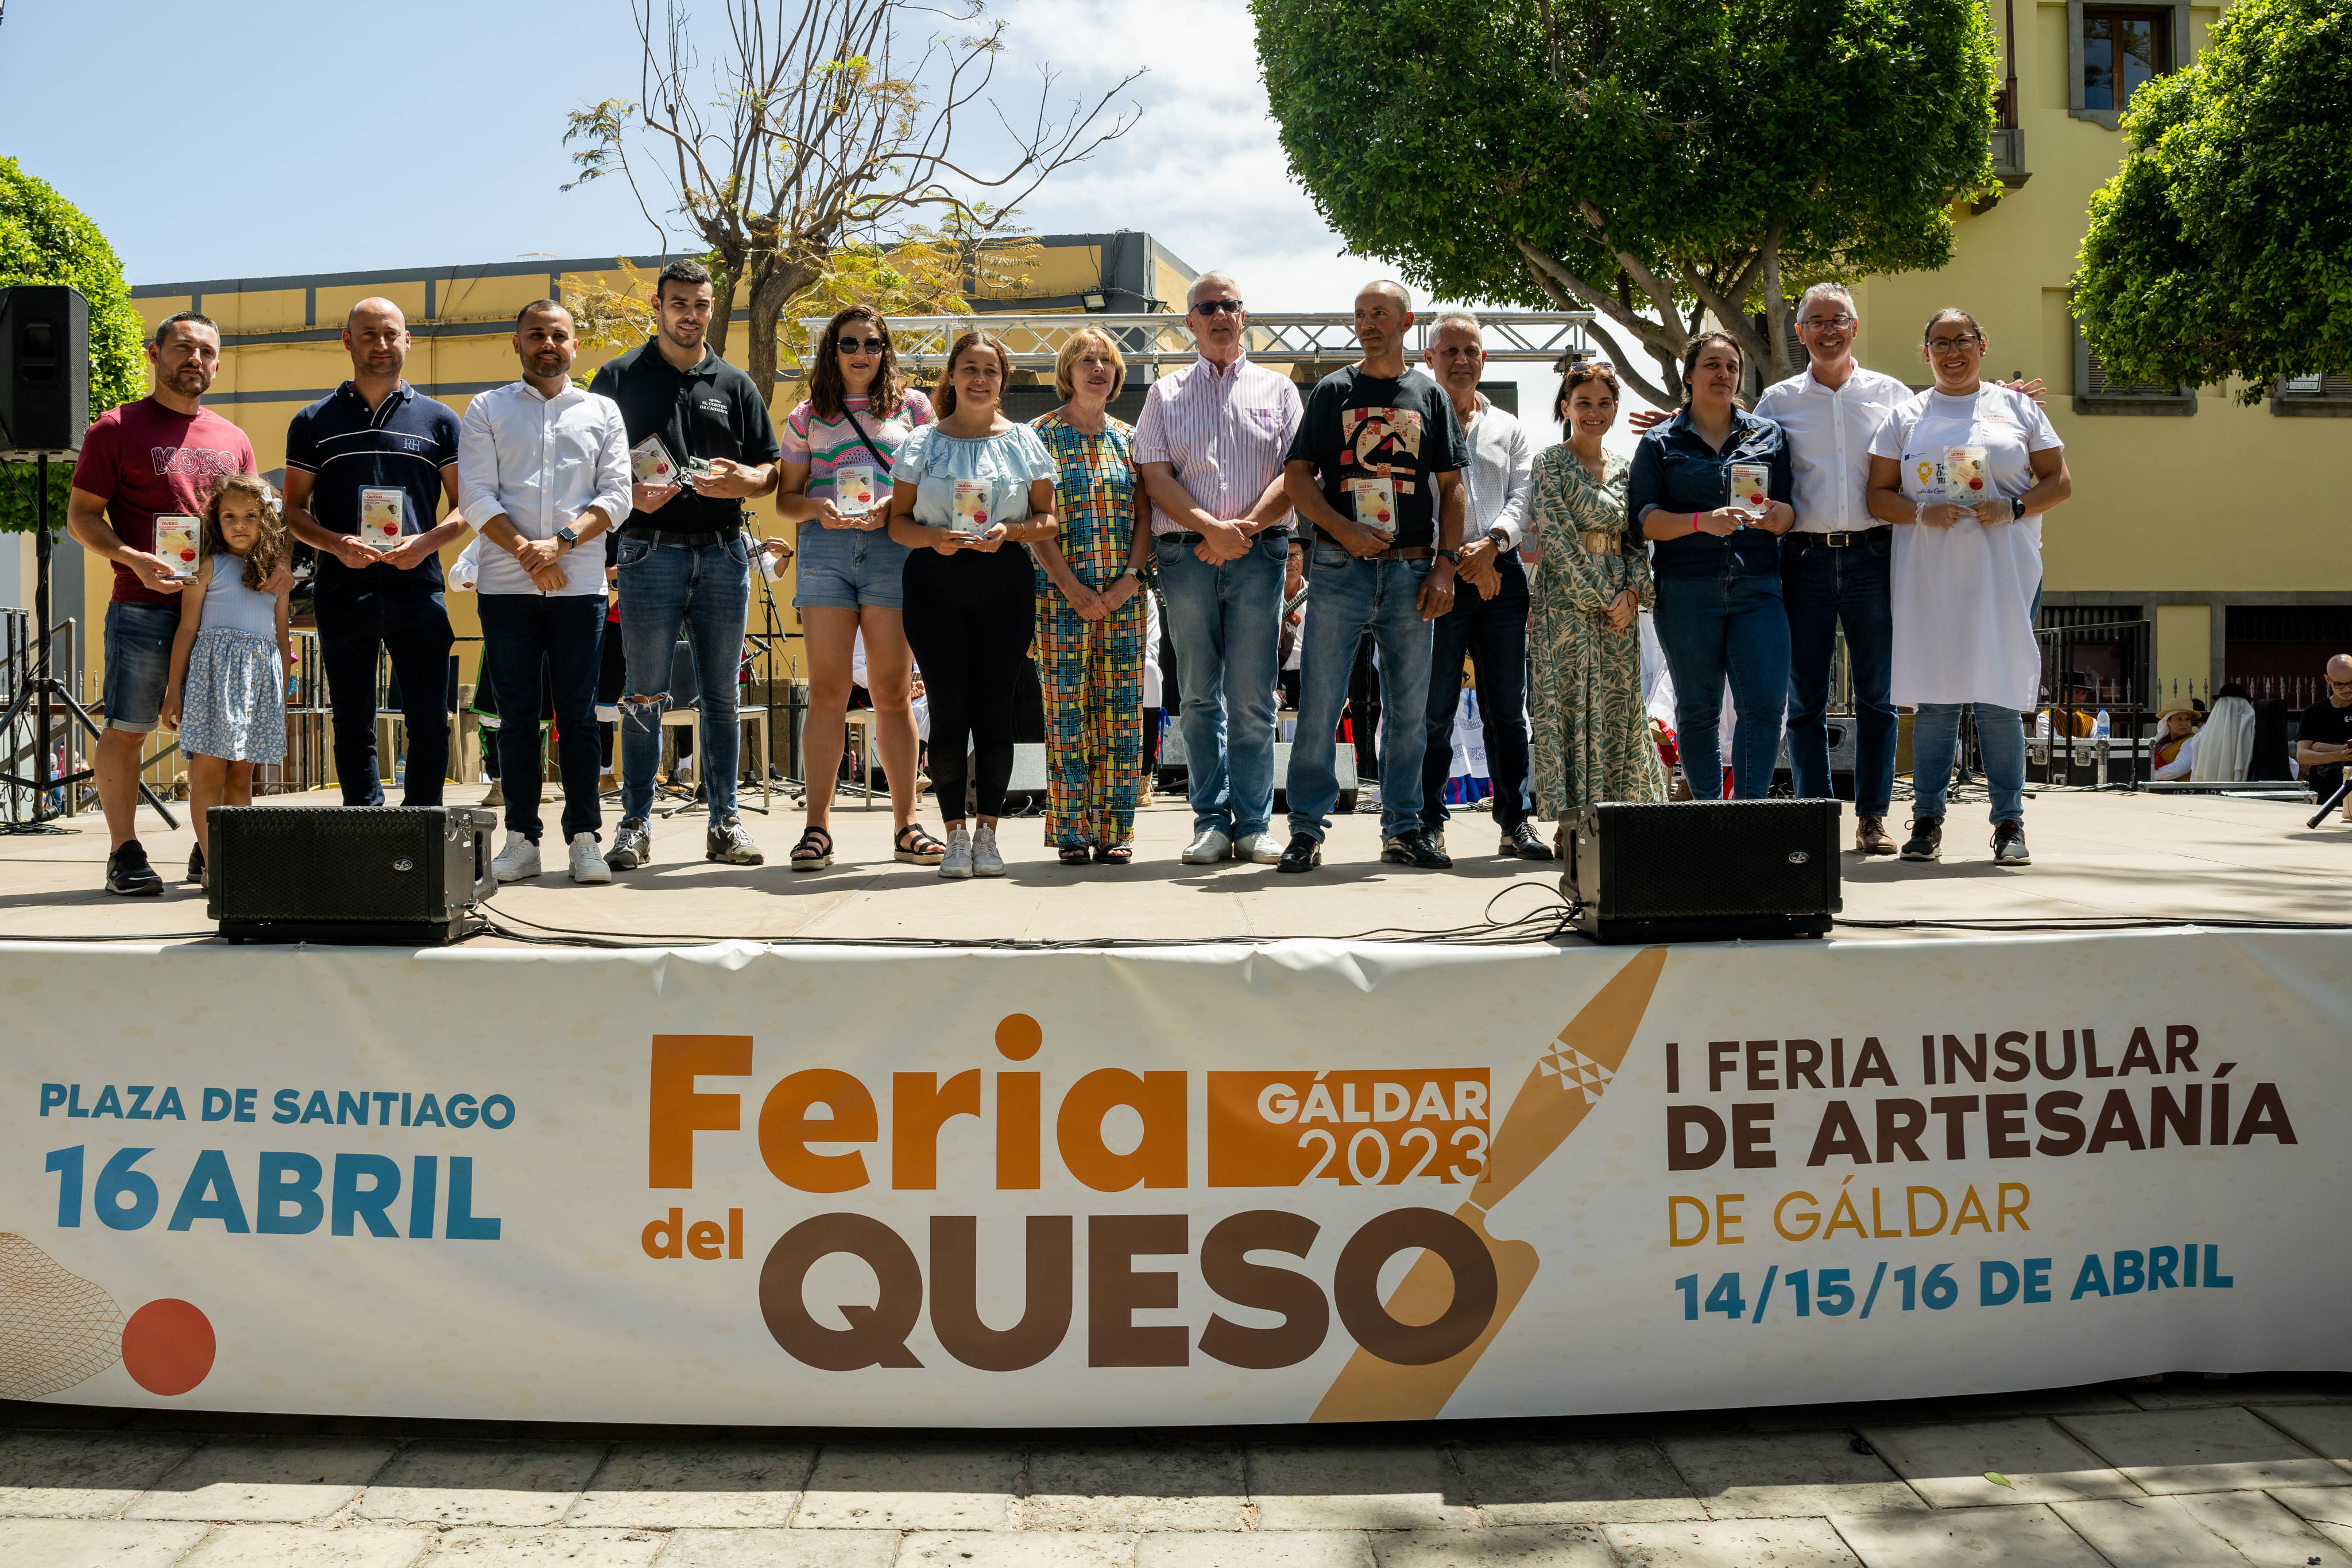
1210	848
516	858
985	861
956	866
1258	848
587	863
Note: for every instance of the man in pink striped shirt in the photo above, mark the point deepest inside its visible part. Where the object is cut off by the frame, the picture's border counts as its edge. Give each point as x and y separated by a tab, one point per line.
1210	448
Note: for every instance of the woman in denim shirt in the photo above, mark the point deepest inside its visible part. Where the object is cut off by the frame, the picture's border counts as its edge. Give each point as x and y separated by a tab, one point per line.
1718	570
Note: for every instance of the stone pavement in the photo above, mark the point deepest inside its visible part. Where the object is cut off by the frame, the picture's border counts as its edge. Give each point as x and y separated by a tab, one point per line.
2190	1472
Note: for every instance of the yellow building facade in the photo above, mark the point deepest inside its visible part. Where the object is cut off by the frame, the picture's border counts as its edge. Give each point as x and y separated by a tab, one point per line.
2217	524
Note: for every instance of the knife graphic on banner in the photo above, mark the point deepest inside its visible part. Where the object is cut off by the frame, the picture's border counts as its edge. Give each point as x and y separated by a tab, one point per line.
1565	1084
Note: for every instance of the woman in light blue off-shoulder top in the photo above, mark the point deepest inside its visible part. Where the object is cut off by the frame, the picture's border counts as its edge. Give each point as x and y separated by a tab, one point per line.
963	490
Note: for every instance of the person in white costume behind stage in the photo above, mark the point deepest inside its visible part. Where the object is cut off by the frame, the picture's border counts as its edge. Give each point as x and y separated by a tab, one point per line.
1965	470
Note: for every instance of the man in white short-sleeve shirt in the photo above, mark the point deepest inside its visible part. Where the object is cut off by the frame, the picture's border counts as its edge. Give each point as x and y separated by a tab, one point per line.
1835	561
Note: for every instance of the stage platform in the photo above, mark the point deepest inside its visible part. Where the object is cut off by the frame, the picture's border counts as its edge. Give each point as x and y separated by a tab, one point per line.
2132	856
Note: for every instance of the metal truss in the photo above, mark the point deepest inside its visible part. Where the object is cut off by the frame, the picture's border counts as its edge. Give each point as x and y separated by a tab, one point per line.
1152	342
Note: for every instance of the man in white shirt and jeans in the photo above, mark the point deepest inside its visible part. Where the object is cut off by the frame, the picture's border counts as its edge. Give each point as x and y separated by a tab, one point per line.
1836	562
542	470
1489	618
1209	449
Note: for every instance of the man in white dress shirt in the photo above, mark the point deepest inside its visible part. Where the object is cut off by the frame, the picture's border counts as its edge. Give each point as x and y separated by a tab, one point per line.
1489	618
1835	563
542	470
1209	448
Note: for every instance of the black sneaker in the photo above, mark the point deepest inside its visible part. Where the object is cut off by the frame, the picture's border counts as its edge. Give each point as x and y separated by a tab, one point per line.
2009	844
127	872
195	865
1305	853
1526	842
1415	848
1926	840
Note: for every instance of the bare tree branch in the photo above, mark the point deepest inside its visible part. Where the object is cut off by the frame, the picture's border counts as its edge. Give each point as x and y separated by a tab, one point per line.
816	132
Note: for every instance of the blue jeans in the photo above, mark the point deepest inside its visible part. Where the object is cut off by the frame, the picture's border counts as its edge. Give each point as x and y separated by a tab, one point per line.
1823	587
1494	632
1226	622
704	588
529	638
1346	596
1716	626
2001	741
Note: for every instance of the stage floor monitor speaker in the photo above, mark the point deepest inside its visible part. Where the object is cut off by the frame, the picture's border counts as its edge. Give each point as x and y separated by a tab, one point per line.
1704	870
380	876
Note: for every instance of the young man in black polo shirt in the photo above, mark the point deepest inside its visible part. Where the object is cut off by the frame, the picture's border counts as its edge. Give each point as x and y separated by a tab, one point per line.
1376	466
374	455
684	560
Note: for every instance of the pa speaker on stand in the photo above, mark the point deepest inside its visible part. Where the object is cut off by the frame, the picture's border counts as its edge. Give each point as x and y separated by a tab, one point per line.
1703	871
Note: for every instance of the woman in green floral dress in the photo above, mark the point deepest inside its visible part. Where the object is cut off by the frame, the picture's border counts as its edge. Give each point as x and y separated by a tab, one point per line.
1592	732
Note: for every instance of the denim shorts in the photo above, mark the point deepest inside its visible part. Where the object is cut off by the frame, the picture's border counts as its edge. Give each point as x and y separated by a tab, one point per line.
848	568
138	663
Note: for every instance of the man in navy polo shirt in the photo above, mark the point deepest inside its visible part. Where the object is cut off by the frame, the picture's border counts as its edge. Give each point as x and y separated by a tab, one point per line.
375	447
684	561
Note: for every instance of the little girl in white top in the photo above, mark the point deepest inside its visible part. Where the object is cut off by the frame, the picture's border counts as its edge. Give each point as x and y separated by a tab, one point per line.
227	693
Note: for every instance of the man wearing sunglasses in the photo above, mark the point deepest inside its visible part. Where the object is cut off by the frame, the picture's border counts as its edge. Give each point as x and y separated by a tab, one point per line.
2324	744
684	561
1209	447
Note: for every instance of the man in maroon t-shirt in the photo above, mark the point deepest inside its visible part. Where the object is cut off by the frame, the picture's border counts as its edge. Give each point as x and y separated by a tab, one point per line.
155	457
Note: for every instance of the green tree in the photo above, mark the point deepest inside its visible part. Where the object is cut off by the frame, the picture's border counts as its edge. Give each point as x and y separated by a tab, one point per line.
1653	161
44	238
2223	246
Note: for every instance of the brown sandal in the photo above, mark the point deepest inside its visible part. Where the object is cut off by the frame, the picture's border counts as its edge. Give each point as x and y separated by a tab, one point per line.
815	852
920	849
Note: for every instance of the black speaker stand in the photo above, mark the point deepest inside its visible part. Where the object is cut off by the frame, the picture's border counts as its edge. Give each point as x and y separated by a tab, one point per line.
42	688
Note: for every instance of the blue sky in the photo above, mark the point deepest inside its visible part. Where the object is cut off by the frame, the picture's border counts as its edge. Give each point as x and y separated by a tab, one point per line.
260	138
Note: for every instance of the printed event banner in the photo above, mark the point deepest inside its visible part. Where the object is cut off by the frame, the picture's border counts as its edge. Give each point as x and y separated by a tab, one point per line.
1307	1182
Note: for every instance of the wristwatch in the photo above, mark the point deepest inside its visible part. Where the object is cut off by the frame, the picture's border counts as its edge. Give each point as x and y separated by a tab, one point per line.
569	535
1453	555
1502	541
2017	508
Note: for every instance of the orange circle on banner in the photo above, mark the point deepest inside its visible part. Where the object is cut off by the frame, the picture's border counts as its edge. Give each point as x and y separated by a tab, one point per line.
167	1346
1019	1036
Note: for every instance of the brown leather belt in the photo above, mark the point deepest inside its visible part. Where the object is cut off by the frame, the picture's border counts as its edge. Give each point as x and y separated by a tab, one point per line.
1402	552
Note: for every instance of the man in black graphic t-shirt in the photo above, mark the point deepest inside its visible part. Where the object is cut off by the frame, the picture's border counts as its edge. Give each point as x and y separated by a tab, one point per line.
1376	468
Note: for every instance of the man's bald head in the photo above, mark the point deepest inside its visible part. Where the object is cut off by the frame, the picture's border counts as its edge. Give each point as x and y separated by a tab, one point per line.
374	307
2339	668
375	335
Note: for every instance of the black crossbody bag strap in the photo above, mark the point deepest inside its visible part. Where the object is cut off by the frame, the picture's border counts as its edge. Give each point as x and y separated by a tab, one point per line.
867	441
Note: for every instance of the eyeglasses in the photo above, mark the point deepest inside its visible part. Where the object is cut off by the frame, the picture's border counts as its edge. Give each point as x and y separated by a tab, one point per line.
2339	686
1834	323
1951	345
1218	306
864	345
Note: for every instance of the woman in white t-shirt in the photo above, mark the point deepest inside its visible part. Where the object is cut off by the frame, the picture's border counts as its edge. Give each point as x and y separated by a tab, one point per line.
1965	470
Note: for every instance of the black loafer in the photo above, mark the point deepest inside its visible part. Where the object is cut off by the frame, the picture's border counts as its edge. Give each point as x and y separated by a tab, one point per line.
1304	853
1415	849
127	872
1526	843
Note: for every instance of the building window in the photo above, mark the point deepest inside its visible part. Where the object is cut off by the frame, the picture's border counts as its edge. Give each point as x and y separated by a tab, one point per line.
2324	397
2096	391
2113	50
2122	50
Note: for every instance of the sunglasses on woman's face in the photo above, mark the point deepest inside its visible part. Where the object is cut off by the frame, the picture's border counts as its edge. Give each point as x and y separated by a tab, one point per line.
864	345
